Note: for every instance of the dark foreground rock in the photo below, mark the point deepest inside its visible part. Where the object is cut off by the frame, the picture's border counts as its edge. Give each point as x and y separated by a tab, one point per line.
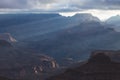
99	67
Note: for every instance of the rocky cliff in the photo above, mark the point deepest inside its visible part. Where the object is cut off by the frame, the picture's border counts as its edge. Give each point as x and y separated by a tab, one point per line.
20	64
7	37
99	67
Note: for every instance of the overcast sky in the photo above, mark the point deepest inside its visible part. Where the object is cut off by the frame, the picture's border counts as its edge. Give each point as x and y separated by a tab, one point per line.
61	5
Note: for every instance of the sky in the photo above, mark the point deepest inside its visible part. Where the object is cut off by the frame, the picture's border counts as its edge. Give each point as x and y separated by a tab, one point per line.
100	8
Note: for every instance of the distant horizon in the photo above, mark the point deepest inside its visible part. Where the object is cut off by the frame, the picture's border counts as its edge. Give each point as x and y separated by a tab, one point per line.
101	14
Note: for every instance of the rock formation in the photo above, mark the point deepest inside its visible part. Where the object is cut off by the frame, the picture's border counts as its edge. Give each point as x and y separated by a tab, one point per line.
4	43
20	64
7	37
98	67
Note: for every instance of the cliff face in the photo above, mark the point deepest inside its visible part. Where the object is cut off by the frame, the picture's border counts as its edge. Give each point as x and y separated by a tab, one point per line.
4	43
7	37
4	78
98	67
114	55
20	64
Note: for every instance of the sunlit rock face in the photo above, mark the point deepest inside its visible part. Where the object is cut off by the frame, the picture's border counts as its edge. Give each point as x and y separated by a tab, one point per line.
7	37
99	67
43	63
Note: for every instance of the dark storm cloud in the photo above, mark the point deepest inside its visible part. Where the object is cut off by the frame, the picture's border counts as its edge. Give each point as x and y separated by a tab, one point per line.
97	4
113	2
47	1
60	4
105	4
13	4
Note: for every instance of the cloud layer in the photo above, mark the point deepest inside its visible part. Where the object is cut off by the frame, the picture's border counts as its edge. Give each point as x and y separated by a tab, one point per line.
60	5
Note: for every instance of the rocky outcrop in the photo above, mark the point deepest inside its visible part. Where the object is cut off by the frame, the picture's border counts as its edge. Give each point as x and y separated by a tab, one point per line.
113	54
4	43
98	67
4	78
20	64
7	37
